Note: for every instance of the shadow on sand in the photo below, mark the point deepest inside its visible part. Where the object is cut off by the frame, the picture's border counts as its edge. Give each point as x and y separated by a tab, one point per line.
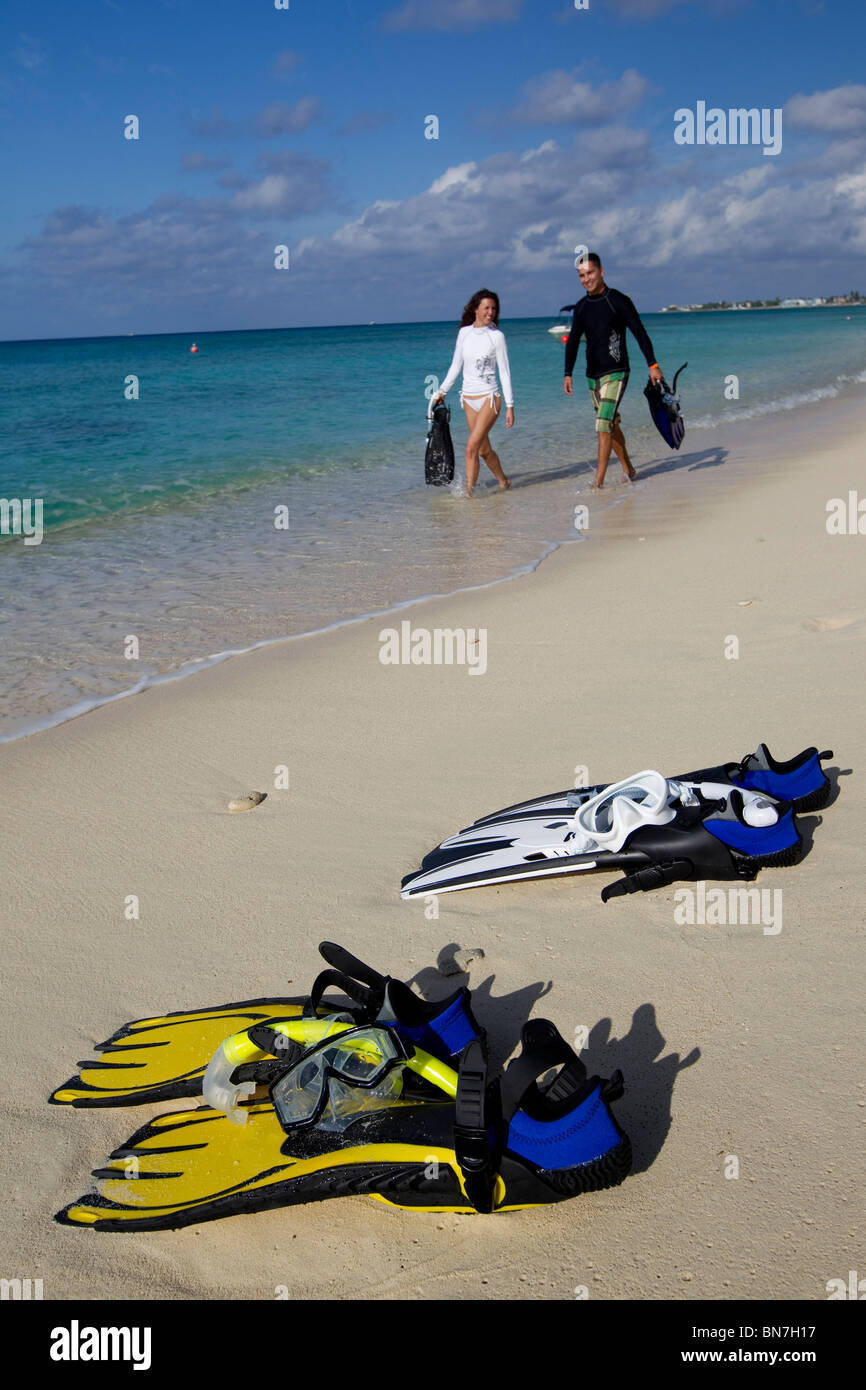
645	1109
584	469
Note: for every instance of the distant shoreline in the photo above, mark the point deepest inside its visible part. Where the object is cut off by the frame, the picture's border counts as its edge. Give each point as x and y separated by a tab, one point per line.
753	308
402	323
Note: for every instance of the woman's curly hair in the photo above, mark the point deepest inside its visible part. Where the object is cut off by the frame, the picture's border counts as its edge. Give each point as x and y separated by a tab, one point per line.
469	309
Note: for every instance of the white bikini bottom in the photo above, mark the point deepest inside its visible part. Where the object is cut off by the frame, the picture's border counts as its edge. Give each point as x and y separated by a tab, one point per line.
476	402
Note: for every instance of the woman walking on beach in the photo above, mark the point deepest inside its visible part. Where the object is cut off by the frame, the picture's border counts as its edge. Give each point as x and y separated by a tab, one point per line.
480	349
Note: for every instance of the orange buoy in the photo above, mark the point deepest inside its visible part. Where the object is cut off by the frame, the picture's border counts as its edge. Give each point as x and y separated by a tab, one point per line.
564	338
194	348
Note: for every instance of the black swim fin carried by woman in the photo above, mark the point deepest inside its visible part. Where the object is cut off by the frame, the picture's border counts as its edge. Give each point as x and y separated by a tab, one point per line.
439	458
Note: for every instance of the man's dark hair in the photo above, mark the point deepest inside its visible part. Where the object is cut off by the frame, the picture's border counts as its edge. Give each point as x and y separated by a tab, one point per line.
593	258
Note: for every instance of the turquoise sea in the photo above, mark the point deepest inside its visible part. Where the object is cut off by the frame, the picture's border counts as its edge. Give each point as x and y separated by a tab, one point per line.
159	511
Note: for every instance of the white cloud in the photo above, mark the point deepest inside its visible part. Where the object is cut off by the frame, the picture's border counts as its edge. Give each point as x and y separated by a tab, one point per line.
490	209
840	109
195	162
487	213
853	188
461	176
451	14
285	63
270	195
748	180
279	118
560	98
282	119
653	9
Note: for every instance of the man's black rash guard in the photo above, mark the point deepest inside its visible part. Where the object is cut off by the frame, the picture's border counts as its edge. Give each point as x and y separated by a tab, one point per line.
602	319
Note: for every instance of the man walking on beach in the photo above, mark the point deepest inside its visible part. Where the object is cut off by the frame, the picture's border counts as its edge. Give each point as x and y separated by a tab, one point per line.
602	316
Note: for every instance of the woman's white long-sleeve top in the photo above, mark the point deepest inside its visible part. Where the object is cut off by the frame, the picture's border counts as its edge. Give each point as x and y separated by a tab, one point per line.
478	353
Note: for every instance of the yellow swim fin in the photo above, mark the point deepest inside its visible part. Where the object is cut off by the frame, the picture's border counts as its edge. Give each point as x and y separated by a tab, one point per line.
164	1058
197	1166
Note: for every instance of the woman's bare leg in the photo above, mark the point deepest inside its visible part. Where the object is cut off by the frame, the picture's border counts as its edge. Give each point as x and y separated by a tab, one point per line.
494	463
478	445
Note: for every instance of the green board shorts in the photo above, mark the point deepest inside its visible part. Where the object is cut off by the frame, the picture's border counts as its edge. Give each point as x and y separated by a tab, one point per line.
606	392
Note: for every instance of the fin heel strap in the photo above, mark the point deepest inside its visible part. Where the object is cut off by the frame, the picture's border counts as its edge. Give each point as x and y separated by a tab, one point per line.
357	980
471	1137
365	996
350	965
543	1048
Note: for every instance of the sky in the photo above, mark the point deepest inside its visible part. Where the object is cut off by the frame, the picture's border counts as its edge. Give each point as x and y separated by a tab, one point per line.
408	152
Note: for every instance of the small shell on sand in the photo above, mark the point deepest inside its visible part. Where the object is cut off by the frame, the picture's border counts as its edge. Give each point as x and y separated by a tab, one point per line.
460	961
247	802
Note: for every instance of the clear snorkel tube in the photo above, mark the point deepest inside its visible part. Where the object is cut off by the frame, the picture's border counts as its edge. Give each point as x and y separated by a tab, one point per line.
218	1089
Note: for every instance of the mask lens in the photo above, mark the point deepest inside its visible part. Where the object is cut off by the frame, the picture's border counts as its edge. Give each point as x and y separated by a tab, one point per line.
298	1094
361	1058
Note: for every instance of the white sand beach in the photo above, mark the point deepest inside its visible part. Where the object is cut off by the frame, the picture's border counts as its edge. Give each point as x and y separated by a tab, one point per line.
734	1042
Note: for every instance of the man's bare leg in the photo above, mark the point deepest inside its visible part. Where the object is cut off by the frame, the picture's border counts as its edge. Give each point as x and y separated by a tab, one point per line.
604	443
619	448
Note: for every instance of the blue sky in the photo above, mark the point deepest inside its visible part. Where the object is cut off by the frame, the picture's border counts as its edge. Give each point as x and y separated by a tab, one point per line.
306	127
